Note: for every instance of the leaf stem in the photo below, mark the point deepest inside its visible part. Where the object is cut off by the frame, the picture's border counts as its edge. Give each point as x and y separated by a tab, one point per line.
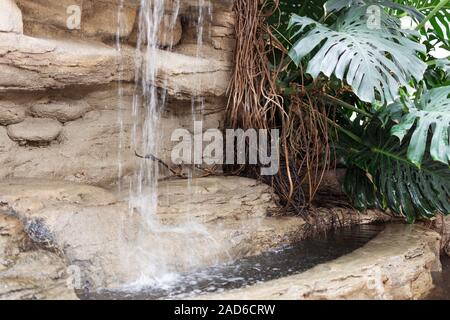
346	105
432	14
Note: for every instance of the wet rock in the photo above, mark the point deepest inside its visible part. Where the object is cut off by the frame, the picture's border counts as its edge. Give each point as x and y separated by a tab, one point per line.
213	220
10	113
379	270
62	110
35	130
186	76
100	235
10	17
169	34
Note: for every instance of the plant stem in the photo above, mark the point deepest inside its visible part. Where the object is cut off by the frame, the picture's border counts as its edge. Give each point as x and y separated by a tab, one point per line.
350	134
347	105
432	14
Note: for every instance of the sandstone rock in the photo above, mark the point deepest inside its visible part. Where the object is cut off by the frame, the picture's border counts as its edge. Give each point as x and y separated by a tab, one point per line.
379	270
27	195
36	275
10	17
10	113
36	64
88	148
170	31
63	111
185	76
98	19
87	151
26	272
113	245
35	130
32	64
12	240
213	219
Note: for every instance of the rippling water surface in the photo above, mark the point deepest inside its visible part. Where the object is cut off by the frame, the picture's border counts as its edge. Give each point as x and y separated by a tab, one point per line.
278	263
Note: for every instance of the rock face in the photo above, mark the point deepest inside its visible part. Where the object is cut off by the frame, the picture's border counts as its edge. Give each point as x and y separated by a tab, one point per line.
35	130
33	64
10	17
86	225
377	271
77	18
70	75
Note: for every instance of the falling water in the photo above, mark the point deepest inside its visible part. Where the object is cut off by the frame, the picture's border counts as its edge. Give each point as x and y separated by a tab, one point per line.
154	260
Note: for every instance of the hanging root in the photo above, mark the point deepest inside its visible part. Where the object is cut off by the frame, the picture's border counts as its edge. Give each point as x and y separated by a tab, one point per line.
256	103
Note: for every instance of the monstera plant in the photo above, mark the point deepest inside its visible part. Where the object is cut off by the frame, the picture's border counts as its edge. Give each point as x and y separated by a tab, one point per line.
351	66
397	149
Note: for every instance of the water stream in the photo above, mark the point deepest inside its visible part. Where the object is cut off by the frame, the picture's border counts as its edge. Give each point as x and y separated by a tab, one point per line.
157	20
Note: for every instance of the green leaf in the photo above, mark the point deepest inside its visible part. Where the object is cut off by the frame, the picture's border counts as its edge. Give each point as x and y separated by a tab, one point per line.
376	63
380	175
430	114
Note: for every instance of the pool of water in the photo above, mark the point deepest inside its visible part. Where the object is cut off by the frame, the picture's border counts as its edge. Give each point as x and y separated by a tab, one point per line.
441	281
278	263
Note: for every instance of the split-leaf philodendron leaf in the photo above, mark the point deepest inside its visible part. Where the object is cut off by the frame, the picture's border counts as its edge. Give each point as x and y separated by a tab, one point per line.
375	61
430	114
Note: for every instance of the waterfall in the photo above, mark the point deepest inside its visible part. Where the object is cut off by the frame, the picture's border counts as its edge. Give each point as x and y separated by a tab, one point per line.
153	251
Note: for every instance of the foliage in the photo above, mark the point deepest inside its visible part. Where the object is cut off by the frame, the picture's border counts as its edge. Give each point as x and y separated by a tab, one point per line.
375	62
355	83
428	115
380	176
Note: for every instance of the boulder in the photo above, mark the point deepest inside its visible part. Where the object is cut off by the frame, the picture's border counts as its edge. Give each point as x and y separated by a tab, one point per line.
35	130
10	17
61	110
10	113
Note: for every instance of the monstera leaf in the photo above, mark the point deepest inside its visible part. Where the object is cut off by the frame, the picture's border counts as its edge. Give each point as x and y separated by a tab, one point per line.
375	62
380	176
429	114
337	5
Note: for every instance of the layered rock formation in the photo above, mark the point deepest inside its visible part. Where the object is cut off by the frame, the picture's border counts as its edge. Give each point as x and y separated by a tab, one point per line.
62	83
216	220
